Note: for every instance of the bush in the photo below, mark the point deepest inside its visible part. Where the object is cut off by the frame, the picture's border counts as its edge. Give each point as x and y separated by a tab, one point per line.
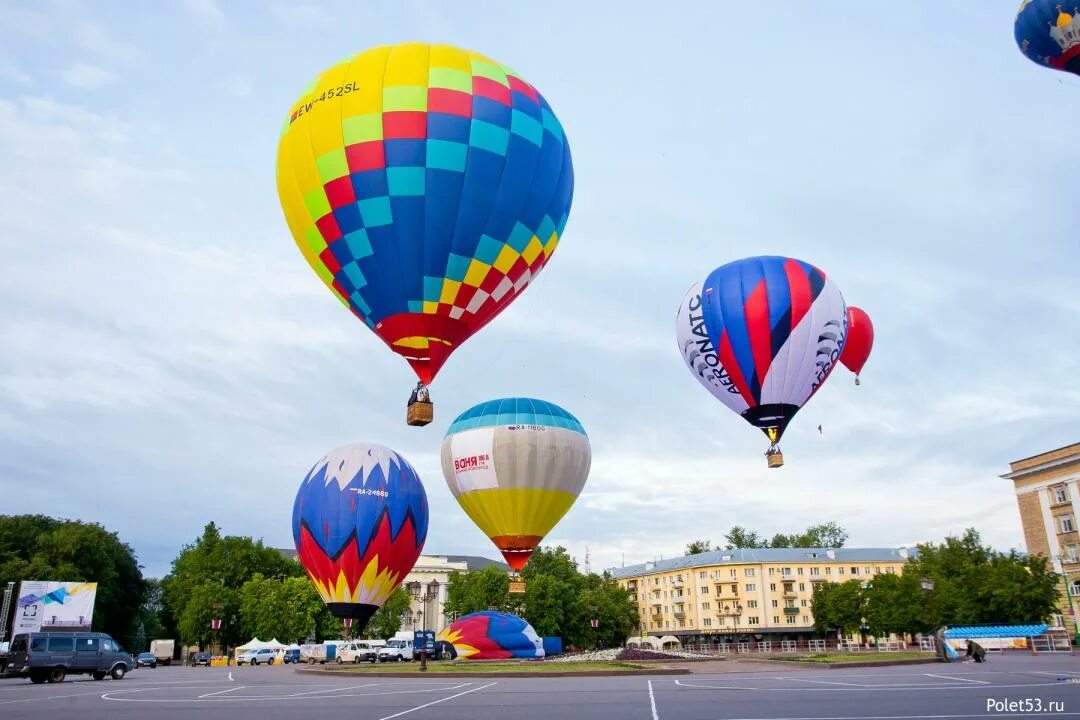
635	654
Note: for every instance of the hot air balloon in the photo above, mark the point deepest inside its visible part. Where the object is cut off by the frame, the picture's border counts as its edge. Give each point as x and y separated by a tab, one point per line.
427	186
1049	34
490	635
359	523
516	465
763	334
860	341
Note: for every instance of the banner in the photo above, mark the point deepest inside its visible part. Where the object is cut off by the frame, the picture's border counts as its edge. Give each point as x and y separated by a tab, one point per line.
470	452
50	604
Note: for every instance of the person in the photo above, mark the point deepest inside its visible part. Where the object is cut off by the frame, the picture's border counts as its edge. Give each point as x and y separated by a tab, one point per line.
415	394
976	651
422	395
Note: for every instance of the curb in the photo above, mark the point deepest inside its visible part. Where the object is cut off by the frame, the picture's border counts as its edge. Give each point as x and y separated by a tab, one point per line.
852	664
511	674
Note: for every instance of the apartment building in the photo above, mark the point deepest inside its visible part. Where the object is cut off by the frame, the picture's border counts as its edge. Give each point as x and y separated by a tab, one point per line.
727	595
1046	493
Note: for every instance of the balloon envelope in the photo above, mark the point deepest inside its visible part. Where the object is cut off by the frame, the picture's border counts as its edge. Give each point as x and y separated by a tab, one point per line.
777	326
860	340
426	186
1048	34
516	465
490	635
359	523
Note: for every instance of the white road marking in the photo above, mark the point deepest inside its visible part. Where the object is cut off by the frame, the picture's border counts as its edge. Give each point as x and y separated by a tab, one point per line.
828	682
652	702
953	677
900	717
38	698
113	696
865	688
230	677
222	692
436	702
330	690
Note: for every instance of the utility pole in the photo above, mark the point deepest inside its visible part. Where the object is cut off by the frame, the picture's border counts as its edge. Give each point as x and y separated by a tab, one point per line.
5	613
588	565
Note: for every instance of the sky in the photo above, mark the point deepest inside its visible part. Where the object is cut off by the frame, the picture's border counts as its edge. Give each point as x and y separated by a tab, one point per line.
167	357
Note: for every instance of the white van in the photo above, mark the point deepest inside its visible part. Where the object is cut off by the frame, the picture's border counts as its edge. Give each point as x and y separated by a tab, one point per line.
356	651
396	650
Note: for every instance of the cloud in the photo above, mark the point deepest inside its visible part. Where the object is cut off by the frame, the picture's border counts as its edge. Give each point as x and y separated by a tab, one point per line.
207	12
87	77
93	38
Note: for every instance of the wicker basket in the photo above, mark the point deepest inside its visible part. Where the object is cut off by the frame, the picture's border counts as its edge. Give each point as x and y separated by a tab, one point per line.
420	413
776	459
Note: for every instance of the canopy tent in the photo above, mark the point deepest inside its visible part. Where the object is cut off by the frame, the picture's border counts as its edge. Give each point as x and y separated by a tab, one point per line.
257	644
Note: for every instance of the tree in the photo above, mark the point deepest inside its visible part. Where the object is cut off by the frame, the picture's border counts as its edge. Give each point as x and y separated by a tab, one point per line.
838	606
896	604
739	537
698	546
36	547
476	591
544	601
973	584
389	618
222	565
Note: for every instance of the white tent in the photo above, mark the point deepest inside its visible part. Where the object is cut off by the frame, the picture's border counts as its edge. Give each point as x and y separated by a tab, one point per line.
257	644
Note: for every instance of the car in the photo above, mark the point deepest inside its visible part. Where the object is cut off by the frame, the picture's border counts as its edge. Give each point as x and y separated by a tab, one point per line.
53	656
145	659
257	657
290	655
396	650
202	658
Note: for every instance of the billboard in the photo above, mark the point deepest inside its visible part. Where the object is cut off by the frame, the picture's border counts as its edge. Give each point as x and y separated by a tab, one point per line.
46	604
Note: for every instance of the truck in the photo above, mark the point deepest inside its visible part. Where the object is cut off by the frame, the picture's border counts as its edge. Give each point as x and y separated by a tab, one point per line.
396	650
163	650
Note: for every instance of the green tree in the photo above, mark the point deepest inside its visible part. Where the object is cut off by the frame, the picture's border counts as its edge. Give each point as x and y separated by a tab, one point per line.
36	547
389	618
698	546
838	606
476	591
221	564
739	538
544	601
896	604
205	602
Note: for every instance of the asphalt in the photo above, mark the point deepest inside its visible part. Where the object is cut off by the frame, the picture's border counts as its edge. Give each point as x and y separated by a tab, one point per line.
721	690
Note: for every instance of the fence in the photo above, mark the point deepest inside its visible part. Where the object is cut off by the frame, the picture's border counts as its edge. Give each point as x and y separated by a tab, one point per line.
814	646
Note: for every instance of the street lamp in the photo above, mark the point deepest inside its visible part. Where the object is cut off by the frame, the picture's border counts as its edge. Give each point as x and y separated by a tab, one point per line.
595	622
423	596
927	584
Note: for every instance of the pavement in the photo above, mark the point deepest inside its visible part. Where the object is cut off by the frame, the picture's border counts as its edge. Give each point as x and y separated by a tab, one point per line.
735	690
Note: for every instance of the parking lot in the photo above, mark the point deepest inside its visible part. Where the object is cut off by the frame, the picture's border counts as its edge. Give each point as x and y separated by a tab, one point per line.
1051	683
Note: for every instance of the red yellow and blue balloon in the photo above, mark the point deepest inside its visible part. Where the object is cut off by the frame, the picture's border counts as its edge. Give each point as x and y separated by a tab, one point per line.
763	334
359	523
491	635
427	186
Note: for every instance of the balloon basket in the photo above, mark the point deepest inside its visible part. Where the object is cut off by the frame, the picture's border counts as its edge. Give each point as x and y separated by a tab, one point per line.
517	585
857	380
420	413
776	459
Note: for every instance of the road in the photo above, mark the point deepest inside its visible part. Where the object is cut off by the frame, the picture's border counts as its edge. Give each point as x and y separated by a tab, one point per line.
897	693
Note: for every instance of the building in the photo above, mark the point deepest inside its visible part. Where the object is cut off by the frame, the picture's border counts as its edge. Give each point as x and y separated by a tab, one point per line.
429	568
763	593
1046	486
437	568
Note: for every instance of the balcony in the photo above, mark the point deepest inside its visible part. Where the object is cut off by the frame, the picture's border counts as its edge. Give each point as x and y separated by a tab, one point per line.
679	615
790	594
792	611
729	611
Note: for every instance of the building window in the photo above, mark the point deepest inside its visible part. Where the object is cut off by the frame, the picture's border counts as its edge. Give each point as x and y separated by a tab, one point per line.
750	572
772	587
854	571
1075	588
721	621
701	575
751	603
804	603
1070	553
704	606
798	571
890	570
790	619
805	620
828	571
787	571
704	589
1059	495
839	570
772	571
866	571
707	622
776	619
751	587
802	587
814	571
776	603
753	620
1066	523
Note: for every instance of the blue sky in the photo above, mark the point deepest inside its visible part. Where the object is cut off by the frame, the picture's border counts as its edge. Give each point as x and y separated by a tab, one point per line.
167	358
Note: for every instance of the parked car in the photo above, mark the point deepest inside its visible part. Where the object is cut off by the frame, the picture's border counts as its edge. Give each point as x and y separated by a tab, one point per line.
290	655
202	658
257	657
53	656
146	659
396	650
356	651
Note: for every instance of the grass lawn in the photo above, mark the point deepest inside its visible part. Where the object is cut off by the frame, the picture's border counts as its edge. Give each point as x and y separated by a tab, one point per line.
488	667
828	658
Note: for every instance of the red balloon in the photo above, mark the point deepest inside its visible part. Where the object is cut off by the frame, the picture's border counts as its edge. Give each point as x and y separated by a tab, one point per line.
860	341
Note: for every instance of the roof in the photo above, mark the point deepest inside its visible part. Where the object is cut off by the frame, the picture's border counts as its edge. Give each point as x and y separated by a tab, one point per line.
515	411
766	555
996	631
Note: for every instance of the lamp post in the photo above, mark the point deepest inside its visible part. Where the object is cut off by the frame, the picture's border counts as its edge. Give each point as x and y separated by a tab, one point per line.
423	596
595	622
